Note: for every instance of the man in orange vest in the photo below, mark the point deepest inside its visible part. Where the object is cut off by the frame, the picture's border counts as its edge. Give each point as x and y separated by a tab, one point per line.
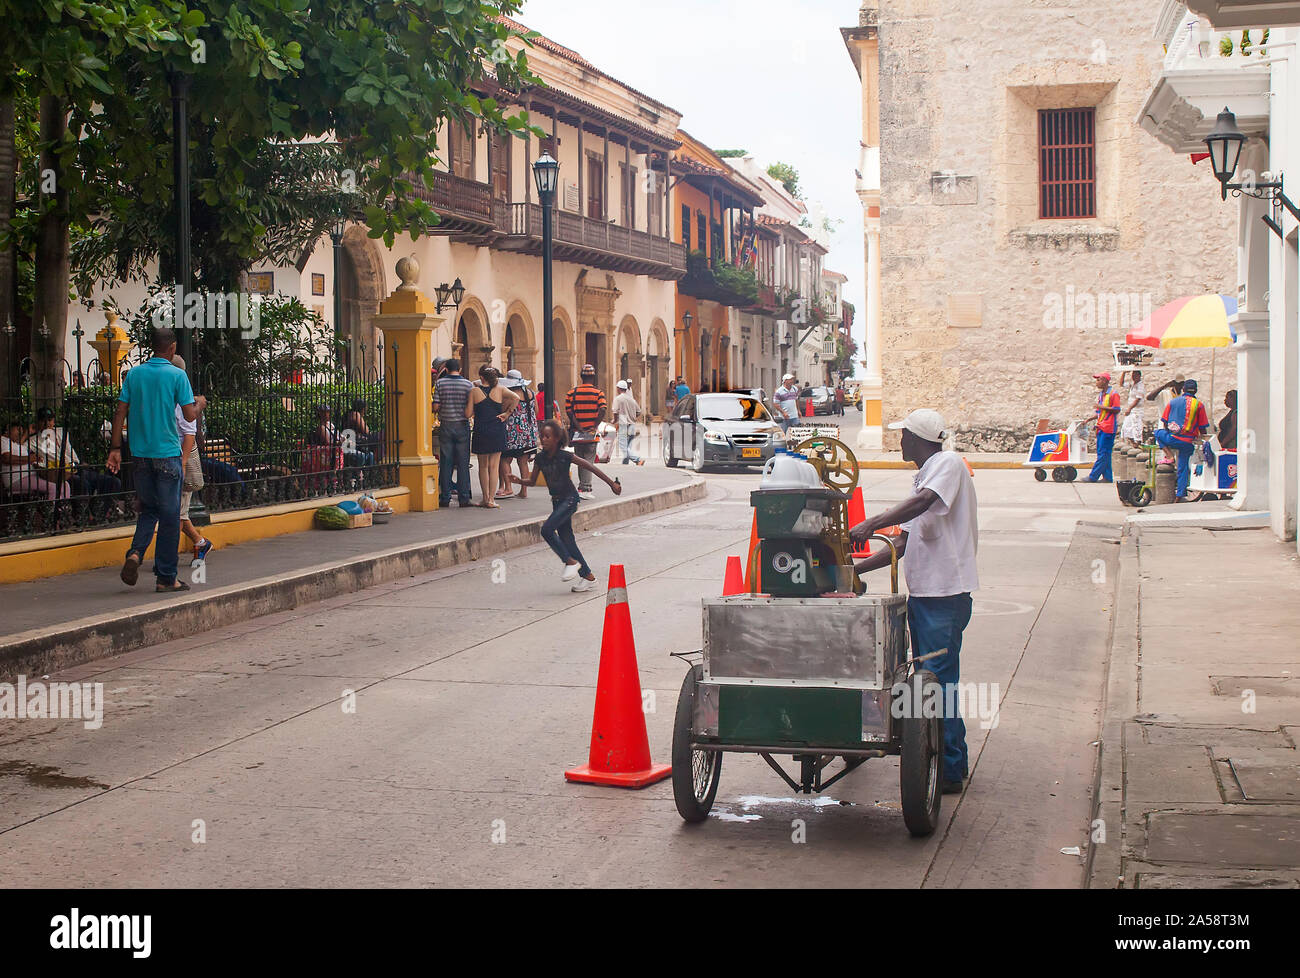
1182	423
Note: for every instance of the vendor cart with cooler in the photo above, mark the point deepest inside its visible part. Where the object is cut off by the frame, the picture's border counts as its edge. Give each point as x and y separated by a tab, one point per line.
812	668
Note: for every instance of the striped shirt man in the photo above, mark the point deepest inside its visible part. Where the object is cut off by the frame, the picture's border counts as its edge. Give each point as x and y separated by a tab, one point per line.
586	404
450	395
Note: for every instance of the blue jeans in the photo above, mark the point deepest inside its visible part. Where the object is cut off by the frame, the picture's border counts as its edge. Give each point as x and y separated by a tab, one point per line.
557	531
1101	467
626	435
937	623
1183	453
453	447
158	487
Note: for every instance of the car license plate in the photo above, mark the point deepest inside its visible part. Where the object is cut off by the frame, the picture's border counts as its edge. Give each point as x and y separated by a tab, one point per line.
751	453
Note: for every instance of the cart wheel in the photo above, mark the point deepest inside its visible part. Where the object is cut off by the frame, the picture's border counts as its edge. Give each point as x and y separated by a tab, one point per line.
921	757
1071	473
695	772
1141	496
1040	475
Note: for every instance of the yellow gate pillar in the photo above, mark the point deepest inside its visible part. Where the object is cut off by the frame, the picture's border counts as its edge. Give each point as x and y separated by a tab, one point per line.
408	320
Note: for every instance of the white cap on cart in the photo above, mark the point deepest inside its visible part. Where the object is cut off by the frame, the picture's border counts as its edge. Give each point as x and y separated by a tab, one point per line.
926	423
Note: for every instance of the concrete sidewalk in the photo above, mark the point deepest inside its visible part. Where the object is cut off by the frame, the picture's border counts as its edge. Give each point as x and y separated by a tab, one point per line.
1199	775
57	622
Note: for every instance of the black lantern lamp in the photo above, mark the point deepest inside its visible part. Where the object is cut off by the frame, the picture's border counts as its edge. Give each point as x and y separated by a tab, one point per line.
450	295
546	171
1225	143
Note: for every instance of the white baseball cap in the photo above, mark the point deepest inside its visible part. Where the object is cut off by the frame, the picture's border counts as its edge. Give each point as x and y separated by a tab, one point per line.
788	377
622	385
926	423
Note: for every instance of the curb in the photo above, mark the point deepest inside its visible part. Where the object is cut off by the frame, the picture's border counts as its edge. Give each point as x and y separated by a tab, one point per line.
1105	866
62	646
888	464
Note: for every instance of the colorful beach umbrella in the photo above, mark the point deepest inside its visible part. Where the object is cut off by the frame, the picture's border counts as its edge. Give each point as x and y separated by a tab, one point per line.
1194	321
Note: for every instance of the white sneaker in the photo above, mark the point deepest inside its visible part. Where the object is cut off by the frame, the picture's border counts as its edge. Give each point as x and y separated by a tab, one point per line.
570	572
586	495
582	585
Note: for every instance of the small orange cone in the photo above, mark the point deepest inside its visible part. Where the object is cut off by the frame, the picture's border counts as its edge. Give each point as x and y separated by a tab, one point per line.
734	581
858	514
751	585
620	748
808	411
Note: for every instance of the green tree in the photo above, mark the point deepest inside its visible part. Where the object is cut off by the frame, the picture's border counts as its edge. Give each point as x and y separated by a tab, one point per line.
787	176
729	154
379	78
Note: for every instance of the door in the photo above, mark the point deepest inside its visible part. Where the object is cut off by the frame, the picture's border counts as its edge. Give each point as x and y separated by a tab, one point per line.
595	188
501	167
462	152
628	175
683	428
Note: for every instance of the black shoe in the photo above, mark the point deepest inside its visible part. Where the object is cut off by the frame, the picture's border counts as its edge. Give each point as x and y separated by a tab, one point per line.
952	787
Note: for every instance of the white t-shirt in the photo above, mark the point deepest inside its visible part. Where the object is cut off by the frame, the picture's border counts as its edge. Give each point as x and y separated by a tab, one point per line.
185	427
12	473
942	542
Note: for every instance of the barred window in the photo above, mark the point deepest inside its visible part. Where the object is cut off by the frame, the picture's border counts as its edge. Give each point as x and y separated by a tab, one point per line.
1067	168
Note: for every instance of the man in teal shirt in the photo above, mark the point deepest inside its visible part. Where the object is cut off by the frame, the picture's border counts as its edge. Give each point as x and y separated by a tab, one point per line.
151	392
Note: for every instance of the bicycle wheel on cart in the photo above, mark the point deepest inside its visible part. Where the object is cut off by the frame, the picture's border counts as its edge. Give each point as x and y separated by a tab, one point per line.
695	772
921	755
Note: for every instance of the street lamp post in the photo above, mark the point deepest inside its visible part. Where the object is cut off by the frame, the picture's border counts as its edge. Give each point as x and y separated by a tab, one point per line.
180	86
336	236
546	171
687	319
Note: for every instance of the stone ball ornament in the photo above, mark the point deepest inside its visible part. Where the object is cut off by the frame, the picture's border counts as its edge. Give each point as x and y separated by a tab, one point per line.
408	270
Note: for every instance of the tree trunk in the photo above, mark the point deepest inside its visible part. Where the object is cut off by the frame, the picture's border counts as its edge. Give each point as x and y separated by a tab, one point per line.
50	315
8	256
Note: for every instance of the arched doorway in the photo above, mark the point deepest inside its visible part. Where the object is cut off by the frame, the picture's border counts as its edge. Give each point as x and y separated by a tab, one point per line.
472	345
630	365
657	364
361	289
520	348
566	369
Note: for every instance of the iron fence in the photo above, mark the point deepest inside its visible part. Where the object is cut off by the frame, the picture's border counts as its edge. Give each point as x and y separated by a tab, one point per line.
265	438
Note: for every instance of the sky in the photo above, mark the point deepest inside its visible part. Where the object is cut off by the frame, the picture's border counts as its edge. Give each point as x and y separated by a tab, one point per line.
770	77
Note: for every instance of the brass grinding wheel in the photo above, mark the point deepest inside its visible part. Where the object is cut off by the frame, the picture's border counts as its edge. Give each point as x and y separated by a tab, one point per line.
834	462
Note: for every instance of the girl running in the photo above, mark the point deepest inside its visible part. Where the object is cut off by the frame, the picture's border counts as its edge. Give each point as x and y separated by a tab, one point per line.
553	462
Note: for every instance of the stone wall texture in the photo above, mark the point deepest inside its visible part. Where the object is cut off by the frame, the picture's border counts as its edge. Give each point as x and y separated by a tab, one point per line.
961	242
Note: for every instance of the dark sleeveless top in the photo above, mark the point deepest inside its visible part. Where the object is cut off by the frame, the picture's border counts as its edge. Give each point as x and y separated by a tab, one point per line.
489	429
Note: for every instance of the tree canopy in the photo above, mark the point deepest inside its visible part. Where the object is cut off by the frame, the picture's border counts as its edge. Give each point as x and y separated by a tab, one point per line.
787	176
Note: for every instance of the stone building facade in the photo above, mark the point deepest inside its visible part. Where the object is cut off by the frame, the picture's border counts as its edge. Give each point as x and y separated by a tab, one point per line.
992	313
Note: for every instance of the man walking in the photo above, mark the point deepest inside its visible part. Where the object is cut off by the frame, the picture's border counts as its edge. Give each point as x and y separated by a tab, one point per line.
940	540
626	414
1106	413
586	406
151	393
450	395
787	403
1182	423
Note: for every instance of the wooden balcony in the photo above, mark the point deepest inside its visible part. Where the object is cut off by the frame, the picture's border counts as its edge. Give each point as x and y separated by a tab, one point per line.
465	206
766	300
586	241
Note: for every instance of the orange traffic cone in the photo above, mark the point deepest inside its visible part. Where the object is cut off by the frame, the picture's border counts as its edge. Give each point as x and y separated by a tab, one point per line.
752	570
857	514
620	749
808	411
734	581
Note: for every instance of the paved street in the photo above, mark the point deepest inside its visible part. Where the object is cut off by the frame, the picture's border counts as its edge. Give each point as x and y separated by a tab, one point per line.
473	697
